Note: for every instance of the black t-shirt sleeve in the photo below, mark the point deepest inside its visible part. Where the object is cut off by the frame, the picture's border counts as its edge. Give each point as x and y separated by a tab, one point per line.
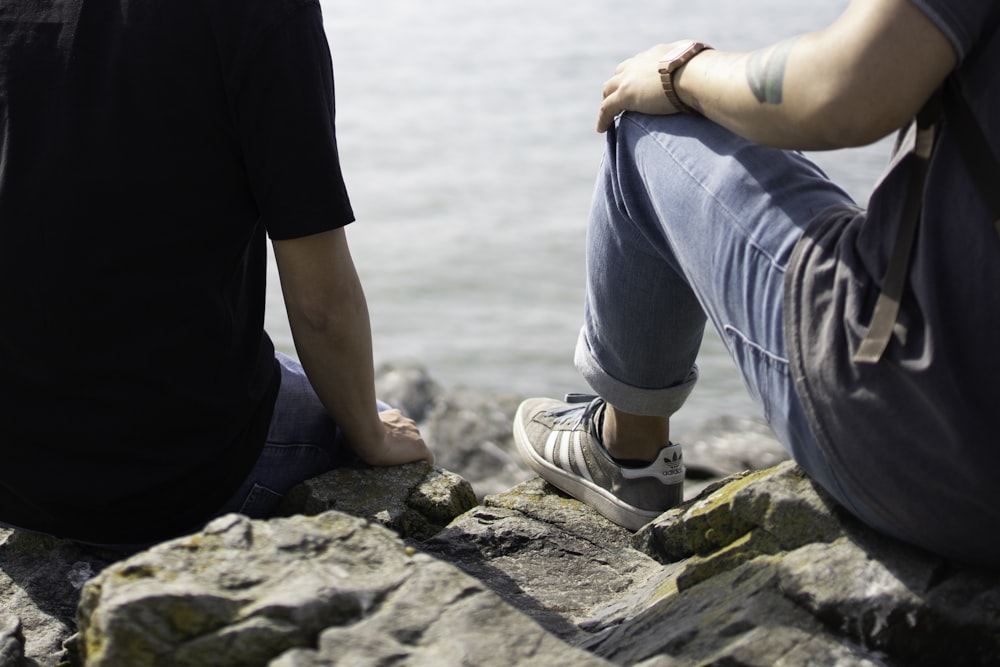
285	112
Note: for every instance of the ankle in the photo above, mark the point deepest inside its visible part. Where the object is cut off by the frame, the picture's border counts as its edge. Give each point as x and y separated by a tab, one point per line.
634	437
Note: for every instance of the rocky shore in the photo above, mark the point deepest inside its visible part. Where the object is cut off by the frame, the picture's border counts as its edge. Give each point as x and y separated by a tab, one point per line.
476	561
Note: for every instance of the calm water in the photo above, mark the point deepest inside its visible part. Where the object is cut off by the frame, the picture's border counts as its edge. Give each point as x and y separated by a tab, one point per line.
466	132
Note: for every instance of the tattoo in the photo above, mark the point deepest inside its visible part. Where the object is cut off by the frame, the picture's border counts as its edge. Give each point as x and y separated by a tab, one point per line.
766	72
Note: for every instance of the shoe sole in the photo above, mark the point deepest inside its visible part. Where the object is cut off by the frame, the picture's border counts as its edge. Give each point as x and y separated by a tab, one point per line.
602	500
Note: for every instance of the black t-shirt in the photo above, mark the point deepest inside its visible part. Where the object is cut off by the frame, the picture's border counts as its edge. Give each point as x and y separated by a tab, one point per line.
146	148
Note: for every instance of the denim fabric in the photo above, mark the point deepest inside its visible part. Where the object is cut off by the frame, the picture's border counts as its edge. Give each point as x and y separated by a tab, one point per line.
302	442
691	223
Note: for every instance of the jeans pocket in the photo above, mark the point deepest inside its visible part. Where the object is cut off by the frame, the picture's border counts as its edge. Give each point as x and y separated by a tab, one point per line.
260	502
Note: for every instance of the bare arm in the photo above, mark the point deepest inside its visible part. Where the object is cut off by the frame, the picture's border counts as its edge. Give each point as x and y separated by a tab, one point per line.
328	315
846	85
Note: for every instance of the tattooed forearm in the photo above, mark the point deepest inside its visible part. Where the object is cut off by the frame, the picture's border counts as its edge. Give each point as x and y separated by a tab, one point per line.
766	72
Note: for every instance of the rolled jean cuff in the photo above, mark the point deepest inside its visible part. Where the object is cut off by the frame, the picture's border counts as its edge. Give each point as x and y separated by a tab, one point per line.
647	402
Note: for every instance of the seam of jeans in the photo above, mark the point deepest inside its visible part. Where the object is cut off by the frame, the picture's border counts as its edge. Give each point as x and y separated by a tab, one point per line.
733	331
290	445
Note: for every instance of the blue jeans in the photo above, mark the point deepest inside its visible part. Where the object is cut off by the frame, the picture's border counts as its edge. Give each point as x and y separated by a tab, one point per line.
692	223
302	442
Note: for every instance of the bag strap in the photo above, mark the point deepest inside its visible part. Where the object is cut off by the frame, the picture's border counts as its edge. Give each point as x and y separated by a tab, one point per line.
975	150
981	164
984	170
915	143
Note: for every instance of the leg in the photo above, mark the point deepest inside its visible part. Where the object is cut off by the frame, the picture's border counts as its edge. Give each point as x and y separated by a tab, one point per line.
302	442
690	220
634	300
690	223
629	437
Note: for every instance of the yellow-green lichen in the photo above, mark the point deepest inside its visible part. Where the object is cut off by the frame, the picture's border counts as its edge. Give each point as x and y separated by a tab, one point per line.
745	548
136	572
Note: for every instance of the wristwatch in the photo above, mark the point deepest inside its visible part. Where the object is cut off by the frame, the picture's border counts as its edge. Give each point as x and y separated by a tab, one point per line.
673	60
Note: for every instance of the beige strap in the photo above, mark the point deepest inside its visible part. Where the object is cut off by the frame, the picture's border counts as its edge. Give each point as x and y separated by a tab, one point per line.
916	143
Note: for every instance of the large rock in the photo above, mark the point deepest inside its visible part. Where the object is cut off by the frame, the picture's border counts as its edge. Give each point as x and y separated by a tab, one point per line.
416	500
41	577
401	565
11	640
40	582
761	570
331	589
548	555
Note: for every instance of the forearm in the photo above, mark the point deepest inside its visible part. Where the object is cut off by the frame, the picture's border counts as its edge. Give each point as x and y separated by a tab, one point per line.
335	350
767	96
328	316
849	84
792	95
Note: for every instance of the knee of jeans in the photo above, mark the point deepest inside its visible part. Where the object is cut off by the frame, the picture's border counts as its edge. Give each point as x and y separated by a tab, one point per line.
260	502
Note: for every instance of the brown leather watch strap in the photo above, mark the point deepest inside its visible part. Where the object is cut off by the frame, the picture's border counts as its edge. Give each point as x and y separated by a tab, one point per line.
673	61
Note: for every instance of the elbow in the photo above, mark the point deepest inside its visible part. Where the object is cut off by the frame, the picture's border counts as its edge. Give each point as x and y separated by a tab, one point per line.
325	317
326	309
314	317
841	118
853	133
847	135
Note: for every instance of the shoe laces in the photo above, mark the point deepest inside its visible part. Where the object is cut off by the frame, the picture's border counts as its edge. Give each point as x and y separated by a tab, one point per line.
578	415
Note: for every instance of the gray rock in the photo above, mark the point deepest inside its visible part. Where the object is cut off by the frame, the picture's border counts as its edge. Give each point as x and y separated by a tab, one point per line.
415	500
41	577
760	570
897	601
740	618
11	641
550	556
40	580
770	511
330	589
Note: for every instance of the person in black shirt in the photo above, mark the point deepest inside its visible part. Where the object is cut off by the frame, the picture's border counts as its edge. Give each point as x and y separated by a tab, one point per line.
147	151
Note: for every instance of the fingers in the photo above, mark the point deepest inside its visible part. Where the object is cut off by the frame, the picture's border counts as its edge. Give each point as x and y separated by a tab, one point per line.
606	116
610	86
403	442
610	108
635	86
399	452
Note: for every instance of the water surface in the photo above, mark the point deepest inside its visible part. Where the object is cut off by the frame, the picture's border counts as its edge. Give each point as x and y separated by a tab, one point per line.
467	137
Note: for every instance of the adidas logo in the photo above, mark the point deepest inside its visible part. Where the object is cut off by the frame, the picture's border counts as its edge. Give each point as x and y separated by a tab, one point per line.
675	465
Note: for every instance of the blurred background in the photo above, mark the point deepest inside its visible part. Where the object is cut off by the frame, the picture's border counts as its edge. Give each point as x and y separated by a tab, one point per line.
466	130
